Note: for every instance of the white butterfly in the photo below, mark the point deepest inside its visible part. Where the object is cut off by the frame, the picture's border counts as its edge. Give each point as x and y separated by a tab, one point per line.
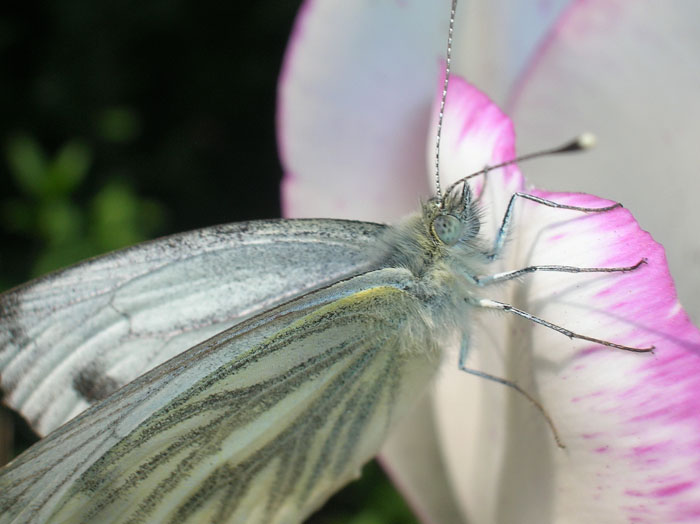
337	328
308	339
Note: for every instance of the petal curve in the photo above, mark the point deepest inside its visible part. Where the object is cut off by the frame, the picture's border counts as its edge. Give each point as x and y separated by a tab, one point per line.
475	133
354	106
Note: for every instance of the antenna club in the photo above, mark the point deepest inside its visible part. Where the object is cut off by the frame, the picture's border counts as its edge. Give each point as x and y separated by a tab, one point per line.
587	140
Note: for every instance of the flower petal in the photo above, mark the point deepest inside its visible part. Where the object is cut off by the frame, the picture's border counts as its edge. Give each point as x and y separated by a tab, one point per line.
413	460
639	455
628	72
354	106
475	134
631	422
497	40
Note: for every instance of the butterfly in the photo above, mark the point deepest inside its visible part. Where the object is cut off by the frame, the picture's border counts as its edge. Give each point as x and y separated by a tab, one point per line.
304	366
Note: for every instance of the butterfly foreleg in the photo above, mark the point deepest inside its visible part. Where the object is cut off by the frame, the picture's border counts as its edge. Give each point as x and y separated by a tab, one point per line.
508	218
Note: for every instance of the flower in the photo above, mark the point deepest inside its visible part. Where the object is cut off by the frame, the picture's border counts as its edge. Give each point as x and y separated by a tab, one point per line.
355	136
623	70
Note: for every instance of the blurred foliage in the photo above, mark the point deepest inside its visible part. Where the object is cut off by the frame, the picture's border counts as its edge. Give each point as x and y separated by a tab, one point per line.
370	500
125	120
113	217
172	102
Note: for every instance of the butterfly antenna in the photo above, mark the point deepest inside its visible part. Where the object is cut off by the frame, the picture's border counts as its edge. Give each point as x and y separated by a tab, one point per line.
580	143
448	59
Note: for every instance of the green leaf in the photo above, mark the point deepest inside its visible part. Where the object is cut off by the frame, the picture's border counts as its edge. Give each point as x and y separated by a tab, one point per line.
68	168
27	164
59	222
367	517
120	218
119	124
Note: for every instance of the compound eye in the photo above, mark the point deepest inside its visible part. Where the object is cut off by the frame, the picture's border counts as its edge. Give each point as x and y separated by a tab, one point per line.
448	229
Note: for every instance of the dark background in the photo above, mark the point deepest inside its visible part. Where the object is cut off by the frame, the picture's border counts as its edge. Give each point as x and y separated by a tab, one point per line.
125	120
172	100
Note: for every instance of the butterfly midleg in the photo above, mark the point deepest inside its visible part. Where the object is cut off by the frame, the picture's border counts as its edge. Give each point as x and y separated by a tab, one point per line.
464	350
493	304
510	275
507	218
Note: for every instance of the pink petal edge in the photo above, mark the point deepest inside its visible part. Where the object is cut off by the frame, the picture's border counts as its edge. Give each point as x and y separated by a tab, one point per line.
475	133
656	399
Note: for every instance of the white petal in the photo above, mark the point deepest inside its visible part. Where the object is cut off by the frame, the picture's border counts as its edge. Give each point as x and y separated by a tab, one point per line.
413	459
628	71
497	40
354	107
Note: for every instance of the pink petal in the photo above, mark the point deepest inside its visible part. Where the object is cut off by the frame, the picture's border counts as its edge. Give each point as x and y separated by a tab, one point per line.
354	106
628	72
631	422
475	134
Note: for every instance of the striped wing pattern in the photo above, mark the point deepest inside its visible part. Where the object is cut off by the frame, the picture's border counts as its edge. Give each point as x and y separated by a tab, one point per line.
74	337
257	425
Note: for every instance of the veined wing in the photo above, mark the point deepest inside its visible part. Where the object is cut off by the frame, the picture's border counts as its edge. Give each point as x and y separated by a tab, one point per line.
258	425
75	336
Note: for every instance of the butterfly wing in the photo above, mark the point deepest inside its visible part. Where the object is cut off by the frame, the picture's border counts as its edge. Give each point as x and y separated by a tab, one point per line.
259	424
75	336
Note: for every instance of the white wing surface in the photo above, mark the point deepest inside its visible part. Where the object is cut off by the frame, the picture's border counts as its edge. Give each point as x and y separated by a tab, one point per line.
77	335
258	425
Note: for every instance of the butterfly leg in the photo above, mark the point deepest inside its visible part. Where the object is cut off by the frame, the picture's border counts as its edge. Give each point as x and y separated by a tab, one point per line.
508	217
510	275
493	304
464	350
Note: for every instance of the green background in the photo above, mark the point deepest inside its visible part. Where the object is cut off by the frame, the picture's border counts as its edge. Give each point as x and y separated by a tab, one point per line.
123	121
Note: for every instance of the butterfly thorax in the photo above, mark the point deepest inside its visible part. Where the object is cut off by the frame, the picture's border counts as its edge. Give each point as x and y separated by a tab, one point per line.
440	246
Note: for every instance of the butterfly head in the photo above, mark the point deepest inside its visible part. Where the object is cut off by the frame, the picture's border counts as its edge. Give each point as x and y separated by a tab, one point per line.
454	217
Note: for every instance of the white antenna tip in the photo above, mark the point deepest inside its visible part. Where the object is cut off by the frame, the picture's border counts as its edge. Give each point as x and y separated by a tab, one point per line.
587	140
